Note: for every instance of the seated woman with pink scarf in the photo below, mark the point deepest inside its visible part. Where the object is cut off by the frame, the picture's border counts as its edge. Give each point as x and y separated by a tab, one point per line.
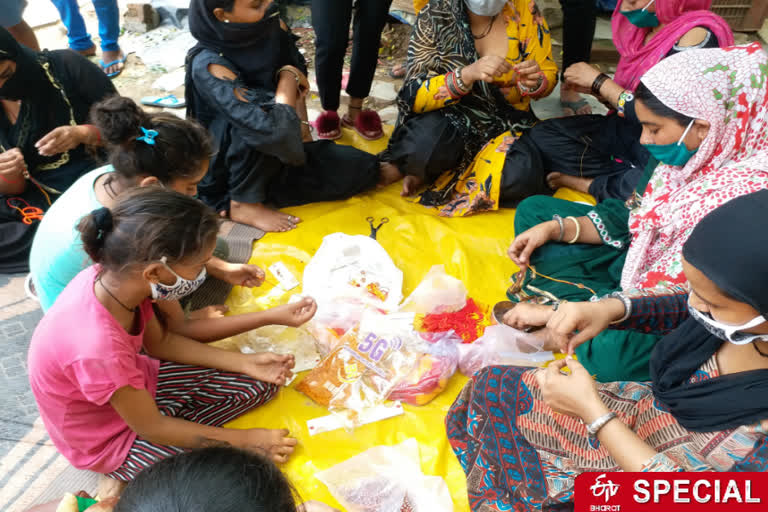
601	155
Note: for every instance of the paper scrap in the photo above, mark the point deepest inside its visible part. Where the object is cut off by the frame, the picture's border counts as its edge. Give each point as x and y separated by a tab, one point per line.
336	421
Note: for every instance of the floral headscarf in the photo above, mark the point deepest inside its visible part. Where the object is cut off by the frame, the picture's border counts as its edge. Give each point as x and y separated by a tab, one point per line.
727	88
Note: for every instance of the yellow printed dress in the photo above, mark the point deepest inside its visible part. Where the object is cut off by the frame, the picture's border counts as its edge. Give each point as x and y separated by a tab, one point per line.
459	145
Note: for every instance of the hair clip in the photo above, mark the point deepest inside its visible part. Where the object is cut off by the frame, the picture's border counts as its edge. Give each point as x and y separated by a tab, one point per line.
148	137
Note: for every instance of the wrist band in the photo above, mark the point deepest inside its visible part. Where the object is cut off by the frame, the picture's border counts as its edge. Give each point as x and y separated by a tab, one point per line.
540	87
578	230
462	86
95	130
292	71
624	98
598	83
627	306
559	220
594	427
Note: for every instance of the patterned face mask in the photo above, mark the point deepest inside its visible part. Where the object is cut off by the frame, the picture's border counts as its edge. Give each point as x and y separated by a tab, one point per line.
181	288
485	7
726	332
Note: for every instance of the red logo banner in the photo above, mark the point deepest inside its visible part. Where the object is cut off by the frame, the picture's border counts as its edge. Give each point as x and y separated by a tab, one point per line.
671	492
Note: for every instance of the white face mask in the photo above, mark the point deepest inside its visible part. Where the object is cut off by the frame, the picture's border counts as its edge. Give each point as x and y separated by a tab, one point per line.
181	288
485	7
732	333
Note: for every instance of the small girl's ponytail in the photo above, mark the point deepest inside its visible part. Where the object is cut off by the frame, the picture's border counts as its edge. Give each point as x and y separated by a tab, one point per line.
94	229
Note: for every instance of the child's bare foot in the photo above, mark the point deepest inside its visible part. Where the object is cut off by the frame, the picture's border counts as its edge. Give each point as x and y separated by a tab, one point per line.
274	443
260	216
208	312
411	184
109	487
88	52
557	180
389	173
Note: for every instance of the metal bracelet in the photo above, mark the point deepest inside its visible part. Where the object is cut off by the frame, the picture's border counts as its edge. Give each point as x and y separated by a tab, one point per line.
559	220
627	306
459	80
594	427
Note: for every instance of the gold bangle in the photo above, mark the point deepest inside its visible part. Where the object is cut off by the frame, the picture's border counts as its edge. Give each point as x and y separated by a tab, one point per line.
578	230
290	70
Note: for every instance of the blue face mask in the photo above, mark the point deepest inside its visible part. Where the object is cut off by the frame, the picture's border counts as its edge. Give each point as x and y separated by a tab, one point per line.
641	18
675	154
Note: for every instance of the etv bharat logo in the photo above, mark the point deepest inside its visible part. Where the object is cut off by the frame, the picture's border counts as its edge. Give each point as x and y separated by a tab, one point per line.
607	488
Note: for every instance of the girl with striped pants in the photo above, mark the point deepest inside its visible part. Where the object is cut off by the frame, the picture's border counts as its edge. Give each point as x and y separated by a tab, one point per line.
116	390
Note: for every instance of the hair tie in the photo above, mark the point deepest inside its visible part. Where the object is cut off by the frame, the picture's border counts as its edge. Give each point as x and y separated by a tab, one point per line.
102	218
148	137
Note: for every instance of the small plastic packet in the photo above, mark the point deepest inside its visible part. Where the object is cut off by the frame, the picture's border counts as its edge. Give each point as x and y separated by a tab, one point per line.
281	340
435	367
502	345
387	479
437	293
369	362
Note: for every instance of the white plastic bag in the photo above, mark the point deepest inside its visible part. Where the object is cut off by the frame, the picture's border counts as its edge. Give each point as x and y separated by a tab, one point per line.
502	345
437	293
353	269
387	479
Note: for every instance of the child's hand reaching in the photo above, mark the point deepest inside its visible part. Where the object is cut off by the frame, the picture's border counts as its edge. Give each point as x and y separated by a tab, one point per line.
295	314
269	367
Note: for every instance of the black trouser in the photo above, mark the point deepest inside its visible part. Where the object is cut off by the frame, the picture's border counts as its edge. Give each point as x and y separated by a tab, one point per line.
579	18
428	144
330	19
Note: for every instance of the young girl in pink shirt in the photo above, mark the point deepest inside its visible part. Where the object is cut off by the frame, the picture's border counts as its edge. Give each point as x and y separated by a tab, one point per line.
116	390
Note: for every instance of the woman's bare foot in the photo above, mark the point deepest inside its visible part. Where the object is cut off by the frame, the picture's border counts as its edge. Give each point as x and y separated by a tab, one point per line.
88	52
354	108
260	216
388	174
274	443
411	184
112	56
109	487
208	312
557	180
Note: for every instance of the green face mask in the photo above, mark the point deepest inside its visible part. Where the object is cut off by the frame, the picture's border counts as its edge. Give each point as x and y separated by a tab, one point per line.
641	18
675	154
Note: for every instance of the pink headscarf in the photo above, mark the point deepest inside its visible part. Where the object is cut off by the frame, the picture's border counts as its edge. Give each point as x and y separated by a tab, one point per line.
729	89
678	17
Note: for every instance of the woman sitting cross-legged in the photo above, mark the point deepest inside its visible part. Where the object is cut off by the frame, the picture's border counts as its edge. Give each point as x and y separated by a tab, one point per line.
246	82
117	391
704	116
523	435
473	68
45	98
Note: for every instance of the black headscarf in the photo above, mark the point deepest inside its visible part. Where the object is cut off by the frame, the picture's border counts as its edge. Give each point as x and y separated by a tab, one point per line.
257	49
29	80
730	247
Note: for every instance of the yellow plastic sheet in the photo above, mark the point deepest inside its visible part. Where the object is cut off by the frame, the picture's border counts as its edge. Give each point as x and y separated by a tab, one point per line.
473	249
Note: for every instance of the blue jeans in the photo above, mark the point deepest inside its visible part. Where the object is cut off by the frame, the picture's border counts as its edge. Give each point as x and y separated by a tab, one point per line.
109	24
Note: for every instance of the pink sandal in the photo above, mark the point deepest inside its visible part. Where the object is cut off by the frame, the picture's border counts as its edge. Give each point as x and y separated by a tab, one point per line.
328	125
367	124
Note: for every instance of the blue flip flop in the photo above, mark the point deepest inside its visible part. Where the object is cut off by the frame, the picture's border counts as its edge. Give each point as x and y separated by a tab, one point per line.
169	101
118	61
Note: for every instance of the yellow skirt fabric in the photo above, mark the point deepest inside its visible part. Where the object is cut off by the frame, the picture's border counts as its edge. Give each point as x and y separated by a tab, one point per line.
473	249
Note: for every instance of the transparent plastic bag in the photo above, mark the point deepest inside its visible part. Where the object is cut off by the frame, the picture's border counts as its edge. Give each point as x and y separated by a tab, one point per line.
354	268
387	479
434	369
369	362
437	293
281	340
502	345
331	322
